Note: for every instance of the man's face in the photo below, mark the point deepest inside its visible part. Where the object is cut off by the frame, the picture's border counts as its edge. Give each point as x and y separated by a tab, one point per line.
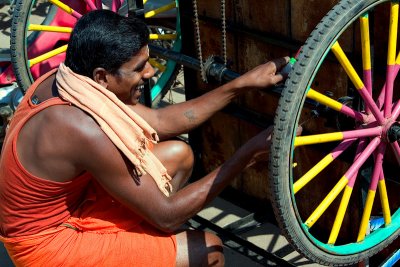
128	83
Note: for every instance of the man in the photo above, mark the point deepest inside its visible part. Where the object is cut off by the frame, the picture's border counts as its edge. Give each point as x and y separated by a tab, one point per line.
83	180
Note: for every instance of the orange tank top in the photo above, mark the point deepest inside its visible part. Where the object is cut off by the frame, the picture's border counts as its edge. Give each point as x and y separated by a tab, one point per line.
30	204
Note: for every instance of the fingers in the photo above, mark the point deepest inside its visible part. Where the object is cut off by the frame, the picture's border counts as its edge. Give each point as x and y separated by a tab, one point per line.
299	130
277	78
280	62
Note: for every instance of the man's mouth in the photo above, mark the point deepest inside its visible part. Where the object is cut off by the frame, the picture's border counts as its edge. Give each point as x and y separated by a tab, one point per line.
140	88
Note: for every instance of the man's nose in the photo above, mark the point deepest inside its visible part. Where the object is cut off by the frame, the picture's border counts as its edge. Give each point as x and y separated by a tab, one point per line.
148	71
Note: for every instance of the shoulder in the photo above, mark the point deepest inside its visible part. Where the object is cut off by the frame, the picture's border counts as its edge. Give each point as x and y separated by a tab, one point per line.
64	130
69	120
60	142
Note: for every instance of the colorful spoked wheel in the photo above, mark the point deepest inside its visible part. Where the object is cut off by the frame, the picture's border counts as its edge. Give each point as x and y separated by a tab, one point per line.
40	33
335	188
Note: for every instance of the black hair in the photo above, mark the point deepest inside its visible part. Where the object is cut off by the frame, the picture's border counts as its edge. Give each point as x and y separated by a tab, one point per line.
102	38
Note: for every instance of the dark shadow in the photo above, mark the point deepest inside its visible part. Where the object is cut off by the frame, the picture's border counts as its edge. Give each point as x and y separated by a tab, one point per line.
42	9
198	248
5	23
5	260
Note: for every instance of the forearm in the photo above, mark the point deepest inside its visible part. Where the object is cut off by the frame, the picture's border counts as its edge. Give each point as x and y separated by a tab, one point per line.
190	114
191	199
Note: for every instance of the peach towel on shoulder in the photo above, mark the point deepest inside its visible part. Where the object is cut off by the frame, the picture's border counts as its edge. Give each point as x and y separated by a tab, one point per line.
126	129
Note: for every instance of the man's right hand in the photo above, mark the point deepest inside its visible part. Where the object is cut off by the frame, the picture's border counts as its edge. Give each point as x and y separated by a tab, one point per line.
260	146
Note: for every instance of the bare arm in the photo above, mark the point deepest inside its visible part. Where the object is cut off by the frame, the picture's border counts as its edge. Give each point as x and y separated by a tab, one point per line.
113	172
183	117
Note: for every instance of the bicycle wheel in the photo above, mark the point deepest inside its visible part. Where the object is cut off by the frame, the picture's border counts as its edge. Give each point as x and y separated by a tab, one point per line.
164	23
40	33
324	182
39	36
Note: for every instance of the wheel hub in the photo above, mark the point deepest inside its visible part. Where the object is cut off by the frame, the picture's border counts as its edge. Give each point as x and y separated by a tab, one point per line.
393	134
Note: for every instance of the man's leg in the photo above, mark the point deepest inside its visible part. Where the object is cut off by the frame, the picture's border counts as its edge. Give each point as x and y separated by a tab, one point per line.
197	248
177	157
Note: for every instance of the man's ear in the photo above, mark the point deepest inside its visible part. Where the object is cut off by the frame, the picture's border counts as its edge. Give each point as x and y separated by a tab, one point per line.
100	76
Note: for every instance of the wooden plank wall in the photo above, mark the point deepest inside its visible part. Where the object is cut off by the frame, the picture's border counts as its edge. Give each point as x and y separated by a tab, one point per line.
257	31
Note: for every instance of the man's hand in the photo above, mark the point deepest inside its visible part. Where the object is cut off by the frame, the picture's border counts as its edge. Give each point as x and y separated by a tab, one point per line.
260	146
264	75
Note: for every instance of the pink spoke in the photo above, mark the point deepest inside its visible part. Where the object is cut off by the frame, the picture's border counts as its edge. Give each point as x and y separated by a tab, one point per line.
371	132
390	76
352	113
381	97
337	151
91	4
360	148
99	4
76	14
369	102
396	111
368	85
382	94
352	171
377	172
114	6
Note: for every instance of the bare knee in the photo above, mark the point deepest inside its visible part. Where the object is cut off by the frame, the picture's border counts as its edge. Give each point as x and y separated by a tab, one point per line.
215	252
196	248
182	152
177	157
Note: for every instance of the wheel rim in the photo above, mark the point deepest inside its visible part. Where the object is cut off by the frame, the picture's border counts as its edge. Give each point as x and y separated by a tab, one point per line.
335	204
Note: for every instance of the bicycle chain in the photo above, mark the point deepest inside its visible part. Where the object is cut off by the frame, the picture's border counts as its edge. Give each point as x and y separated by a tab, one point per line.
198	40
223	25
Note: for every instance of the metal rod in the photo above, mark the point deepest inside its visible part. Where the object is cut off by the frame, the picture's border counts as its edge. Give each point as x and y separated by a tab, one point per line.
192	63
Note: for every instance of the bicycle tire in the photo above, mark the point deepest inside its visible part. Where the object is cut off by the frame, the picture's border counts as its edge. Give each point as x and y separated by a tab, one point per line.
165	87
293	98
19	41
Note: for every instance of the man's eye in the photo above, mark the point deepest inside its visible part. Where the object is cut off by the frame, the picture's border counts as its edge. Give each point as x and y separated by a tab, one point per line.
141	68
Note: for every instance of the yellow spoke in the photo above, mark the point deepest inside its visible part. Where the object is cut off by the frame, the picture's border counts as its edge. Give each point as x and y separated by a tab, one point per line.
157	65
333	104
318	139
394	18
326	202
365	42
321	165
314	171
66	8
340	215
384	201
344	61
366	54
47	55
366	215
168	36
46	28
336	136
325	100
61	5
159	10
